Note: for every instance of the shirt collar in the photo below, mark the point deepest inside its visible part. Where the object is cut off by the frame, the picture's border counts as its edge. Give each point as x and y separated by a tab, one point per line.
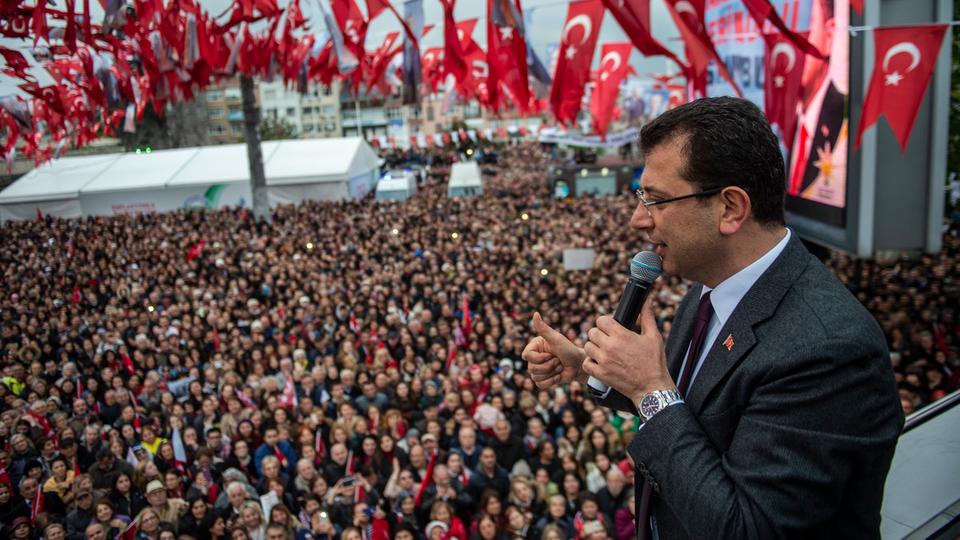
730	291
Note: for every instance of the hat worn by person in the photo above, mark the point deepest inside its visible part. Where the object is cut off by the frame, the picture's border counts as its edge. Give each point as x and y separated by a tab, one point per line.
20	521
155	485
433	525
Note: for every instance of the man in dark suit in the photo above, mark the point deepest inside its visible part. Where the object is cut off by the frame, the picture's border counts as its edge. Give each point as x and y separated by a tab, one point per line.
780	417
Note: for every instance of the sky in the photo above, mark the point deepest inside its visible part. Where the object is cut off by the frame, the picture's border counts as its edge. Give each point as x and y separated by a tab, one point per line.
548	18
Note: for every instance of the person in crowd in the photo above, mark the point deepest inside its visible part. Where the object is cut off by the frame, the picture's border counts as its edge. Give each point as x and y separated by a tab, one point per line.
350	353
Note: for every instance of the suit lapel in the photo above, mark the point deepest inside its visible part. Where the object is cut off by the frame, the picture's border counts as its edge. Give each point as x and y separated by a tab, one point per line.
681	332
758	305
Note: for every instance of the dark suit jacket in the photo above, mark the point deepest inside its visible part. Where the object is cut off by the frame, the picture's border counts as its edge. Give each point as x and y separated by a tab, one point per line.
789	433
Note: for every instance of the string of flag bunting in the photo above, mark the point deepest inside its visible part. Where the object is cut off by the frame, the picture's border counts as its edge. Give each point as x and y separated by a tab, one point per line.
151	53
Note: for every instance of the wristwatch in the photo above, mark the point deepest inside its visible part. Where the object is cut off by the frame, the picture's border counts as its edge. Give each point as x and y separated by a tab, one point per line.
656	401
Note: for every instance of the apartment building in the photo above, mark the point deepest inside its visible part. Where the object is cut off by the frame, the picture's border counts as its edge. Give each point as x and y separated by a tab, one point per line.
225	112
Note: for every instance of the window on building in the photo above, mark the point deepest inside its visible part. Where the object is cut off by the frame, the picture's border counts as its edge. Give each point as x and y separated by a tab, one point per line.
214	112
308	110
216	129
291	111
429	114
329	110
269	94
214	95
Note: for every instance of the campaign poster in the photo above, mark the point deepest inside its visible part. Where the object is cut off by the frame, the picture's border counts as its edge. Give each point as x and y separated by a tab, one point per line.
817	159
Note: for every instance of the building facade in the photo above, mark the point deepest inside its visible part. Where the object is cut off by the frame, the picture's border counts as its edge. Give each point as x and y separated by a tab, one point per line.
225	112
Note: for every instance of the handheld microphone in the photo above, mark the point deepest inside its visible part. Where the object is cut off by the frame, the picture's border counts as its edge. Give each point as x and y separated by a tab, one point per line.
645	268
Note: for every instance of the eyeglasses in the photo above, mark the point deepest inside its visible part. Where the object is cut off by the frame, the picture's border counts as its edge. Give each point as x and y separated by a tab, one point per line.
656	202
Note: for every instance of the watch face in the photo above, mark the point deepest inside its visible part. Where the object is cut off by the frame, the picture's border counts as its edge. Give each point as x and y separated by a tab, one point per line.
649	405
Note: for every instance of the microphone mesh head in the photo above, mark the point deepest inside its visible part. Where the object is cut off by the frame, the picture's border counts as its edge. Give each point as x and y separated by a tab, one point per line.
646	266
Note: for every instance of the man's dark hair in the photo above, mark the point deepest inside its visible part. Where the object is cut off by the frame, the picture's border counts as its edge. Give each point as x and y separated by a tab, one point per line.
726	141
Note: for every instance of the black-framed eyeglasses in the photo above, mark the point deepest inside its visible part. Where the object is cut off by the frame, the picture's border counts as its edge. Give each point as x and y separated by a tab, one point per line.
648	203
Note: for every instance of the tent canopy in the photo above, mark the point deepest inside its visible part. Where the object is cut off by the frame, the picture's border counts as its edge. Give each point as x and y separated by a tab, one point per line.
218	164
56	180
465	179
208	176
295	162
140	171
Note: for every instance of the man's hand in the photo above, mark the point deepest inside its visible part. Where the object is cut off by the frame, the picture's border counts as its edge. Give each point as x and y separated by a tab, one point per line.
552	359
634	364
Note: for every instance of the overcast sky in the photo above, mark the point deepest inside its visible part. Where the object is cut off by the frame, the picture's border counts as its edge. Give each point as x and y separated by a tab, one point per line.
548	18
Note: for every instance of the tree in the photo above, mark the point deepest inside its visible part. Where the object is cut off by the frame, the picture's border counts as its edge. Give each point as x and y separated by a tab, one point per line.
251	122
184	124
272	129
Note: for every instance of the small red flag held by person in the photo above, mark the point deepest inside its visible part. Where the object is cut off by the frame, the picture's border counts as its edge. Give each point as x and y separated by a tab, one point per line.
195	250
904	61
427	478
467	325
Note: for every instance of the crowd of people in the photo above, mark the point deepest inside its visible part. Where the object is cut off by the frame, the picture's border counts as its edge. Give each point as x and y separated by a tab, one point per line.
349	370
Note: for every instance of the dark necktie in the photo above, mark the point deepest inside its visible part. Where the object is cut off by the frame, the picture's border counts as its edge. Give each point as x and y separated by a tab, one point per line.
643	492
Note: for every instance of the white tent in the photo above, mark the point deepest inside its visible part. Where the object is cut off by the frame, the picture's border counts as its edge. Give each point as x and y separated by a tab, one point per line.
205	177
465	180
53	188
325	169
396	186
135	184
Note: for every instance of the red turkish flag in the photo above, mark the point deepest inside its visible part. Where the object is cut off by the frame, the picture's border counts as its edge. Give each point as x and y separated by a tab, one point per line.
634	18
614	67
376	7
857	6
689	18
432	64
904	61
762	11
507	53
478	71
381	59
195	250
578	40
453	55
783	71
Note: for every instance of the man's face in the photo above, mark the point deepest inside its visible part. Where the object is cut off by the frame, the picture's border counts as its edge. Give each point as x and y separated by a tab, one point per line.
488	459
684	232
214	440
468	439
28	489
237	496
157	497
821	36
275	533
502	430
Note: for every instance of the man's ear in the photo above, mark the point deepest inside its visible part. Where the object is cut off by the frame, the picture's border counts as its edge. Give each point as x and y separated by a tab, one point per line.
737	208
